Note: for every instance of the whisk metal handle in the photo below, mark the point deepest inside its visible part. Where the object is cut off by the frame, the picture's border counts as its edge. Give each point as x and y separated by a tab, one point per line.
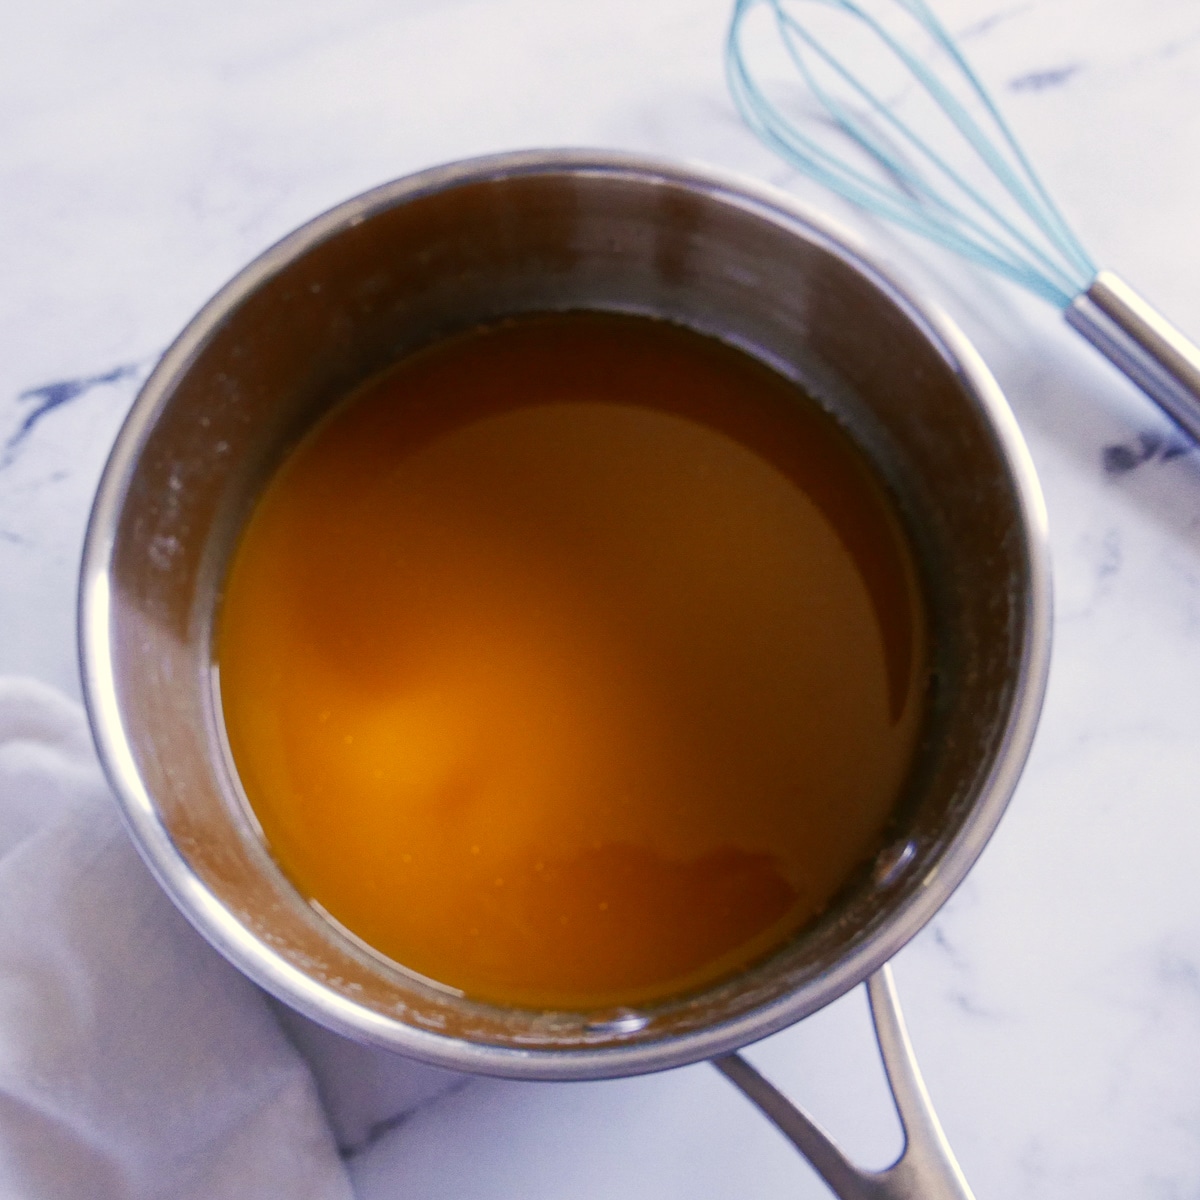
1139	341
926	1170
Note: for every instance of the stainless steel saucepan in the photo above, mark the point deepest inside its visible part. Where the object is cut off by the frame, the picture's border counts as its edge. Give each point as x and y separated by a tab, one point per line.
450	248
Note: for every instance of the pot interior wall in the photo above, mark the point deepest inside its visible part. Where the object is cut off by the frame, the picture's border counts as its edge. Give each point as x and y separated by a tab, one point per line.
342	300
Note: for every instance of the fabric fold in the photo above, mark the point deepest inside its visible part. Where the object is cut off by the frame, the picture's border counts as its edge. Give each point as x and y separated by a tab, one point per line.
134	1061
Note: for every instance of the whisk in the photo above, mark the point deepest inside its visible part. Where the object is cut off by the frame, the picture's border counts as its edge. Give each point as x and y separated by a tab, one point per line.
901	126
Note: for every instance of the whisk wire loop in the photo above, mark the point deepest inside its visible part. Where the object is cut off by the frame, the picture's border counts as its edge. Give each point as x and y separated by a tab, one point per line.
913	181
1047	213
868	194
1051	263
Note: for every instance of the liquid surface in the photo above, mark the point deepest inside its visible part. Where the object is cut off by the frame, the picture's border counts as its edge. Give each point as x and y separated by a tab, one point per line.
574	662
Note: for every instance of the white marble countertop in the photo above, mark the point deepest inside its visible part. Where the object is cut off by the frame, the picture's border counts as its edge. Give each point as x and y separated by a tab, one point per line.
148	151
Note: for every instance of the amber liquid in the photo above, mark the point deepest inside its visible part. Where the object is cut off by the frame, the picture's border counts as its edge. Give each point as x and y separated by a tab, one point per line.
574	662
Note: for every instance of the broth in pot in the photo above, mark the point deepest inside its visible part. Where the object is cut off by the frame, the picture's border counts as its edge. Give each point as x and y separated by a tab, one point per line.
578	660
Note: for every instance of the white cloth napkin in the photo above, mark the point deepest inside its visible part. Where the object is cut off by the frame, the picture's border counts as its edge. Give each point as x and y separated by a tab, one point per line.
134	1061
366	1092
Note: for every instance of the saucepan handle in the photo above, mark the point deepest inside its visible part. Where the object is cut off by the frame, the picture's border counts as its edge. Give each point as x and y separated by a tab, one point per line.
925	1170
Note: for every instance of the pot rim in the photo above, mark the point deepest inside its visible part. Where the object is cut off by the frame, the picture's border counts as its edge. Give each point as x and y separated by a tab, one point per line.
268	968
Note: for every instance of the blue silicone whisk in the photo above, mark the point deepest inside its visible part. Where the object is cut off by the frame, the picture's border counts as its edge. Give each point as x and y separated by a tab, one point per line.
899	124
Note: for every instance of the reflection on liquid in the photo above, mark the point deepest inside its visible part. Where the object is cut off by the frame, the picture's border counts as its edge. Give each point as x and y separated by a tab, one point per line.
576	662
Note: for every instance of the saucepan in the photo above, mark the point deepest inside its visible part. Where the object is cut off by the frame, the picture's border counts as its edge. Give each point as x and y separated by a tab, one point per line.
463	245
